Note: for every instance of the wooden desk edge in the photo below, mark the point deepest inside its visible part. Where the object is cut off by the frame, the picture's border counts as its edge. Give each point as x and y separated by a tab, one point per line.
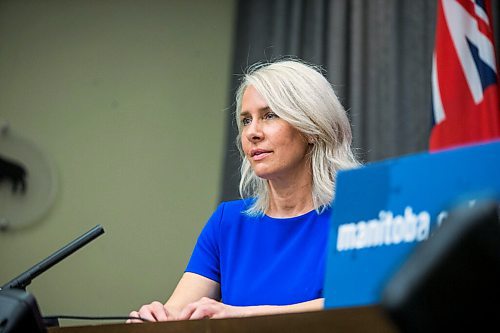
355	319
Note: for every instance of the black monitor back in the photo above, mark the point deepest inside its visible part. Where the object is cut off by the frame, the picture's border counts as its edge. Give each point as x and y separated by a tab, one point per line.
452	280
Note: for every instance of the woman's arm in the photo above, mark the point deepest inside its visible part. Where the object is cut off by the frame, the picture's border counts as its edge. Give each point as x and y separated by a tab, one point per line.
210	308
191	288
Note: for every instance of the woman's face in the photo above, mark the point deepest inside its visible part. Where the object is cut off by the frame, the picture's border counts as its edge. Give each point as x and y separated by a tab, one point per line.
275	149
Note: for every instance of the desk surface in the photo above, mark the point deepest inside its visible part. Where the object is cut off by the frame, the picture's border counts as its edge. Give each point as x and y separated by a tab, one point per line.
358	319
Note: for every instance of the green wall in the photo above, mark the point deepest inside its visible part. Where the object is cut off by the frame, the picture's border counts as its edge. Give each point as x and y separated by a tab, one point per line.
128	99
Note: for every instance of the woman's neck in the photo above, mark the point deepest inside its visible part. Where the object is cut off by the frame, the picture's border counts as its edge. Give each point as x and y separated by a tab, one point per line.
289	200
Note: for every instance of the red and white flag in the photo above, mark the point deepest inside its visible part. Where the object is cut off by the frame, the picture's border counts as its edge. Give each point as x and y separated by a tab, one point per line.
465	90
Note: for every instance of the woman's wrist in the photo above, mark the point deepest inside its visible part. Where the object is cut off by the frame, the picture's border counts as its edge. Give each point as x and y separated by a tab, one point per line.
260	310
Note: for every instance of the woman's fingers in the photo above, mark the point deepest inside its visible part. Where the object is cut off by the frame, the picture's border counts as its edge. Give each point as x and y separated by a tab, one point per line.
188	311
204	308
158	311
133	314
150	312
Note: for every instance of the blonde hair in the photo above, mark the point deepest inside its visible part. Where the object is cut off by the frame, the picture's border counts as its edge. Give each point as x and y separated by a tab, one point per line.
299	94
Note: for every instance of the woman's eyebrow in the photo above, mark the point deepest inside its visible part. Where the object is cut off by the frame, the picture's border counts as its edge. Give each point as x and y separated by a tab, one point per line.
246	113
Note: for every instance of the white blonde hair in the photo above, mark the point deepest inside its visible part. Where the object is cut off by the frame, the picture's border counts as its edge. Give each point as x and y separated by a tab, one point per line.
299	94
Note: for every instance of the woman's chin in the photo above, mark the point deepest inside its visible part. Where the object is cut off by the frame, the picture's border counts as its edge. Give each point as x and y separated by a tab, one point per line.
262	174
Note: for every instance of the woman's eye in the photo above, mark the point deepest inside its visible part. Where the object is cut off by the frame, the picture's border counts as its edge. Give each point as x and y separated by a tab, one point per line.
245	121
270	115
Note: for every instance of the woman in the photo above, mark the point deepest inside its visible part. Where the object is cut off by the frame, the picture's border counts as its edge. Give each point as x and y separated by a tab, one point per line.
266	253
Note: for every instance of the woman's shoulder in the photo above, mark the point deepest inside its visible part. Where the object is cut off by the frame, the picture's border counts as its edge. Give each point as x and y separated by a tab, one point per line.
236	206
230	211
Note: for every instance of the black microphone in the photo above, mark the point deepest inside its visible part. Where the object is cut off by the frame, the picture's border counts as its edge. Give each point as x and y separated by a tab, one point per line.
24	279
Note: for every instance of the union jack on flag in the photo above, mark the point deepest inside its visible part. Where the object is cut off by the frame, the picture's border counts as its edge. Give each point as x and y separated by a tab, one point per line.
465	89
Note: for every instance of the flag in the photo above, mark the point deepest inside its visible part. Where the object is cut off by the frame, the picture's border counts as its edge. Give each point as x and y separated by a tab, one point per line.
465	90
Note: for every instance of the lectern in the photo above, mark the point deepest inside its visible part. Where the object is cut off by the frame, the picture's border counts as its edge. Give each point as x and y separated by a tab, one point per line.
357	319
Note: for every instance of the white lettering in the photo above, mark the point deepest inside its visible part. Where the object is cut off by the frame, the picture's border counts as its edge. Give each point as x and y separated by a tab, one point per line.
346	239
386	230
424	227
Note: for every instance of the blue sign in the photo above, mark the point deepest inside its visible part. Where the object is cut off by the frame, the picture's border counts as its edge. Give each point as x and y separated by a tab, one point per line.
383	210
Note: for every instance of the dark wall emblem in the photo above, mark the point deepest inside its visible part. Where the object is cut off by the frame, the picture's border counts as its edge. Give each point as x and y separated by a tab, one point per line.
14	173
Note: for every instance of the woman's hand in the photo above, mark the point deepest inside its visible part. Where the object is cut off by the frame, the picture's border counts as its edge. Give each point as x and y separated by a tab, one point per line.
155	311
190	288
210	308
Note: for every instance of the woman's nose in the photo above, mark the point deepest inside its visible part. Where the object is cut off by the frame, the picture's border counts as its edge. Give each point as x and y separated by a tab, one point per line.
254	131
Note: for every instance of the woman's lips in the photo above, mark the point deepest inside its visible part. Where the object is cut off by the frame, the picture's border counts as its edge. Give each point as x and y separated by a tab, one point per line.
259	154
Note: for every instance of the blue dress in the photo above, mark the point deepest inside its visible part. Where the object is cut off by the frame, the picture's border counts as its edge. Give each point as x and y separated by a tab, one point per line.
262	260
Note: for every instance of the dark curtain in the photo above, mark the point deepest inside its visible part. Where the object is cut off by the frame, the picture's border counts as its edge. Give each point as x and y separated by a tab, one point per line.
377	54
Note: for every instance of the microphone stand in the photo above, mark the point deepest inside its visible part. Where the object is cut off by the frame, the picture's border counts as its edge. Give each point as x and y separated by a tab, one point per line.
18	309
24	279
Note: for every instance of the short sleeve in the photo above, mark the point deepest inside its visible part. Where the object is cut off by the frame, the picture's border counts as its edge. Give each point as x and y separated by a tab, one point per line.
205	259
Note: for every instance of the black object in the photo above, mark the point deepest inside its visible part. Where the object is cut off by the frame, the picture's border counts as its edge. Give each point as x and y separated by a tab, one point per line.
19	313
25	278
14	172
452	281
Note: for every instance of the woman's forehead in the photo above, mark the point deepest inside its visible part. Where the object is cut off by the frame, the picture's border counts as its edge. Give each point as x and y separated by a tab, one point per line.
252	100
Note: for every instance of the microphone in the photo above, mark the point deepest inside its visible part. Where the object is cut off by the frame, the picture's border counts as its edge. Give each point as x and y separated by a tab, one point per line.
24	279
